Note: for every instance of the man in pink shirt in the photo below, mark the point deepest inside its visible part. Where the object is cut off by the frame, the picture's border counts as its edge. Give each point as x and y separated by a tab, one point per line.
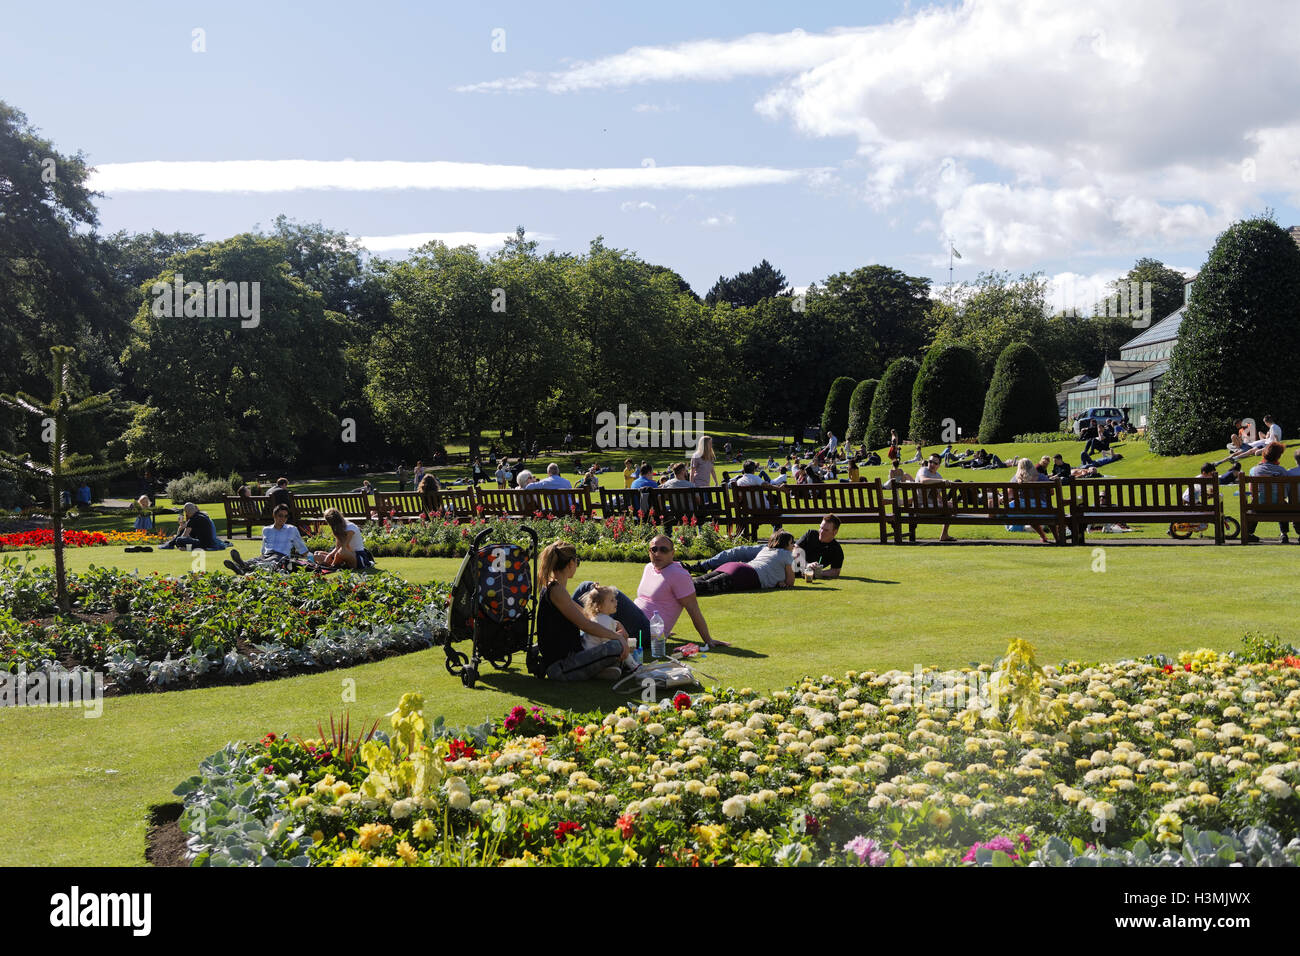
666	587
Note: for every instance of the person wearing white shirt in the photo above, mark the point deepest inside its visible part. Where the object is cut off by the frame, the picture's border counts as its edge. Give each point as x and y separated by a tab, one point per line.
281	537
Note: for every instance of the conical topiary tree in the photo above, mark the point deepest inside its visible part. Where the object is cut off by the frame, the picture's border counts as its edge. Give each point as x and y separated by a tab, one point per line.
950	385
891	406
1237	345
1021	397
64	472
860	410
835	415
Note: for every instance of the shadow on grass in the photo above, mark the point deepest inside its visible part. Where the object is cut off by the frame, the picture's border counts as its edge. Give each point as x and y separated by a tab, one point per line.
854	577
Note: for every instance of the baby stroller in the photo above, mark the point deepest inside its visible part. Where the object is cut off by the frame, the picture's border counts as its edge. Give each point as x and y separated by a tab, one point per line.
493	605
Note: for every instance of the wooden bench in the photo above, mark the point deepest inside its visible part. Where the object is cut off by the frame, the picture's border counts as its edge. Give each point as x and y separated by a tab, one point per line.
411	505
1268	498
674	505
978	502
623	501
1121	500
309	509
861	502
526	503
246	511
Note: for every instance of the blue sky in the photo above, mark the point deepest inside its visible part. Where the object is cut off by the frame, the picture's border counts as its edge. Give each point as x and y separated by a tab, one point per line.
704	136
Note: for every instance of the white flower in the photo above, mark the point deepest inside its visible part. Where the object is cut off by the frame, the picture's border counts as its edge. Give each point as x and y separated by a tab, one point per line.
656	730
482	807
402	808
458	799
734	806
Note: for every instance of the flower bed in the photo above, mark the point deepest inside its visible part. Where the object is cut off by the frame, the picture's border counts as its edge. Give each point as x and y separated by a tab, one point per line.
155	632
44	538
597	539
1139	763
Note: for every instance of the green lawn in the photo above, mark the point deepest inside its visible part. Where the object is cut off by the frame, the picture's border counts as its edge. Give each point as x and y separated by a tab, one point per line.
76	791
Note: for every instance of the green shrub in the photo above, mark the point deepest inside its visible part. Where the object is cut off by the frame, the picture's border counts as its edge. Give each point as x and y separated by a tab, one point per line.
1243	305
860	411
835	415
891	406
199	487
1021	397
950	385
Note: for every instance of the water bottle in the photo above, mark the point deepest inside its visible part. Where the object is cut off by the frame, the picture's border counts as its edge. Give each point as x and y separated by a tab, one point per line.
658	644
637	655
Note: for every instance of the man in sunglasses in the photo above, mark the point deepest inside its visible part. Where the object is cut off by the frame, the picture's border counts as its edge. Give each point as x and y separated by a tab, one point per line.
665	587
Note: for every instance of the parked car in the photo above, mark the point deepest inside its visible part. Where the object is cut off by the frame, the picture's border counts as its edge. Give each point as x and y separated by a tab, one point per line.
1099	415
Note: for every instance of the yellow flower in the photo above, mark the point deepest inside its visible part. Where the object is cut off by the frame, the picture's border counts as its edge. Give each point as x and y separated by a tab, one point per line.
940	819
708	833
350	858
371	834
407	852
423	829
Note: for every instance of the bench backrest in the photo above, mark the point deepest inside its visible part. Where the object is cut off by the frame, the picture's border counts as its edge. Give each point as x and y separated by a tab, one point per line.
838	498
1000	500
1270	494
713	501
1119	496
348	504
239	508
617	501
525	503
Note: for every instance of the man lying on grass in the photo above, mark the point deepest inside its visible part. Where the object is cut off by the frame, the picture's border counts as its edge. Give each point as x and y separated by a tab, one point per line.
823	554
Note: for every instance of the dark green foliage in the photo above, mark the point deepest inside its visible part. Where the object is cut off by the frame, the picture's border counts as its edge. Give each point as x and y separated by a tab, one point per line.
949	385
891	406
835	416
860	410
764	281
1021	397
1238	343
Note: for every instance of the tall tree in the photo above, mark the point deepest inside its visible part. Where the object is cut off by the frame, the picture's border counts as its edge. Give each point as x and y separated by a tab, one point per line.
764	281
64	471
225	390
950	385
860	411
891	406
835	414
1166	287
1021	398
882	311
53	288
1237	342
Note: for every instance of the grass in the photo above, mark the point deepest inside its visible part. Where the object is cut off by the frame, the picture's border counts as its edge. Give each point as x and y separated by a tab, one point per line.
75	791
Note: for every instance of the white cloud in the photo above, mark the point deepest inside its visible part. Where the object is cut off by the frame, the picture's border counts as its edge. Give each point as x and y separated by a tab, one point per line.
413	240
714	222
631	206
1066	130
285	175
654	108
757	54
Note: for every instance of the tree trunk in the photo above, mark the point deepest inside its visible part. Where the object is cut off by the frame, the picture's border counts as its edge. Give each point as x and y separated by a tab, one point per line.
60	575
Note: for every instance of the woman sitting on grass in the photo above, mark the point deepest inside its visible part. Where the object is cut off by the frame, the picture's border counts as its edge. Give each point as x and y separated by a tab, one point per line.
349	547
561	624
772	567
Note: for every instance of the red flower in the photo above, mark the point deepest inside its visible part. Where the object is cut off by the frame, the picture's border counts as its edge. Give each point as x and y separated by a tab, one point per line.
268	769
1187	667
681	701
565	828
812	824
625	824
458	749
1169	668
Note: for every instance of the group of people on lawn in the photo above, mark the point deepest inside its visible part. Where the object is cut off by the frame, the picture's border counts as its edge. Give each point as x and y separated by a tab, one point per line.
590	633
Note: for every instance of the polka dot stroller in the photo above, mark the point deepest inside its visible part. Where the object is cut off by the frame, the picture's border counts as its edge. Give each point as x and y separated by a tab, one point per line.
493	605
